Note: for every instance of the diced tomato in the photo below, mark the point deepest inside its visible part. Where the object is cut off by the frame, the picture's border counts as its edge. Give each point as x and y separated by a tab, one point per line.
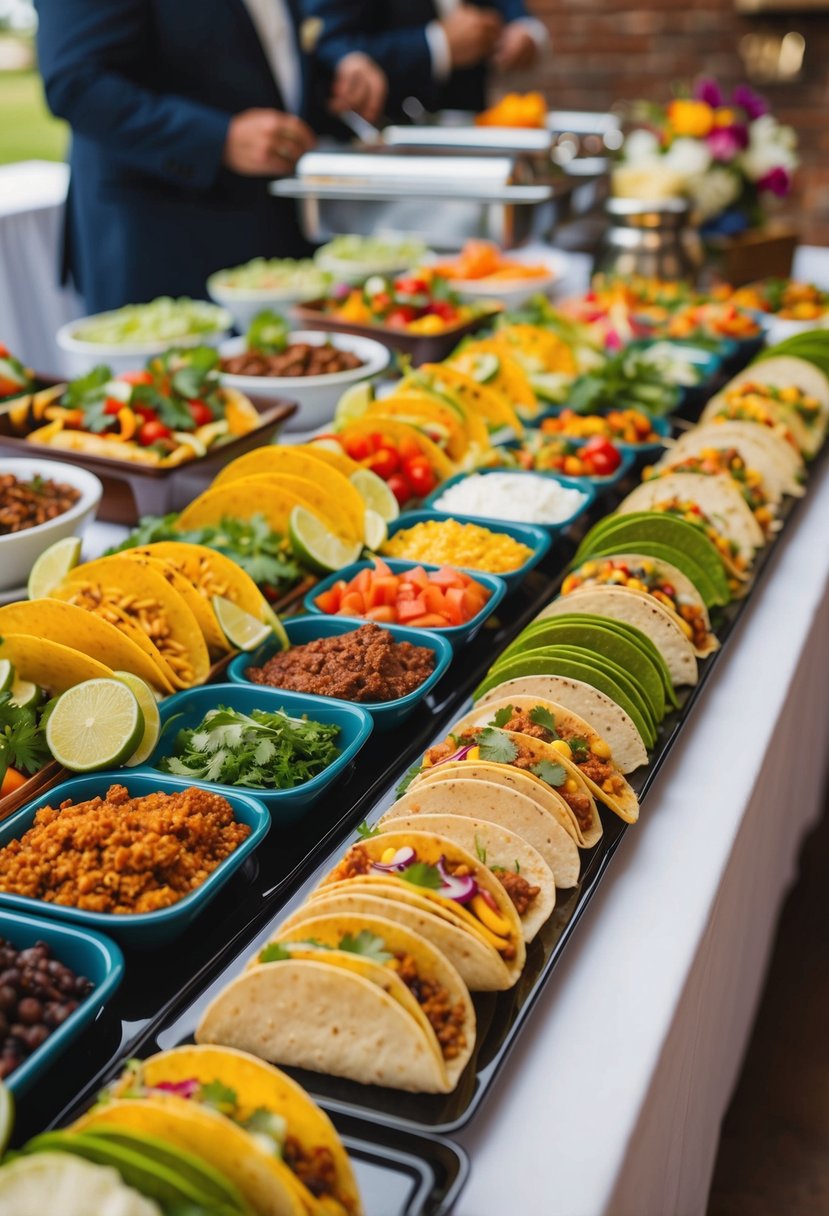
362	580
409	610
141	377
473	602
353	603
383	614
383	569
454	605
447	577
435	599
329	601
429	620
406	591
418	576
432	599
200	412
358	447
112	406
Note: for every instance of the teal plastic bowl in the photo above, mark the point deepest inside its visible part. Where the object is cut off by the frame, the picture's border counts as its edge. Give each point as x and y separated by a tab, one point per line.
537	539
386	714
189	707
596	483
456	635
142	929
87	953
571	483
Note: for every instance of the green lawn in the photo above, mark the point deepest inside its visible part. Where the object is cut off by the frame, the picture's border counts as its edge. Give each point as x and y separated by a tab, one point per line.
27	130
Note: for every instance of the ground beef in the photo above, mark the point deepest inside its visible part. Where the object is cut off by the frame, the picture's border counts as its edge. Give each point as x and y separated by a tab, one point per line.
297	359
445	1018
121	854
315	1168
366	664
517	888
521	723
25	504
355	863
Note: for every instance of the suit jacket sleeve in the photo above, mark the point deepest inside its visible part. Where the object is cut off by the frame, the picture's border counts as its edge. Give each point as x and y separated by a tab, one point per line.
85	50
511	10
403	53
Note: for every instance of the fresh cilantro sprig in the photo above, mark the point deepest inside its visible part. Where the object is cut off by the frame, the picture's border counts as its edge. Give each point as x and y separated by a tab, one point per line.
421	874
22	737
367	832
368	944
496	745
541	716
550	772
502	716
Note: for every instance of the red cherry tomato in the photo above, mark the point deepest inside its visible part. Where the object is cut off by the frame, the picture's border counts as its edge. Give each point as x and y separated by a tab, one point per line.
602	455
152	432
400	488
112	405
142	377
400	317
384	463
200	412
145	411
358	447
443	309
420	476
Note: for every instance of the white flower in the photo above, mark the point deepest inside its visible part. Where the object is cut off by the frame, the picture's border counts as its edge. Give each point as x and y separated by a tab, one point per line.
641	148
690	157
770	145
713	191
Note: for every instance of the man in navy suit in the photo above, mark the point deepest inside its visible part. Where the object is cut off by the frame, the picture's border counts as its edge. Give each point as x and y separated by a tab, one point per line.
435	50
181	112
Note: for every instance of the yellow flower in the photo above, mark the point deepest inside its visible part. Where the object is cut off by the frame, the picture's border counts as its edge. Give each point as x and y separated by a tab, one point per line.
724	117
692	118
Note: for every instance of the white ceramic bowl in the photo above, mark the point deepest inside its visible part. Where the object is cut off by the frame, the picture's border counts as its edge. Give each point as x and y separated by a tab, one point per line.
317	395
348	270
19	550
515	292
244	303
779	328
80	356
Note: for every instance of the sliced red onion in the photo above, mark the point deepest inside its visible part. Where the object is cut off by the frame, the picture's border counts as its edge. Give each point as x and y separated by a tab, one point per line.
402	858
182	1089
461	889
341	291
460	754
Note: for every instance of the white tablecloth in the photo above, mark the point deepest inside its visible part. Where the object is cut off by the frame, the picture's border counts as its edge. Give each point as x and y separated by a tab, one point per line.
33	305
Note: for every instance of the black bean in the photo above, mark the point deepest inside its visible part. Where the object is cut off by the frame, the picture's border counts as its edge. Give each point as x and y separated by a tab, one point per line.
8	998
30	1011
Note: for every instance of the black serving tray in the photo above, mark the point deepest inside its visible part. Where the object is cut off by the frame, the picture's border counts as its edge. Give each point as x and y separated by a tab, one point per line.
403	1175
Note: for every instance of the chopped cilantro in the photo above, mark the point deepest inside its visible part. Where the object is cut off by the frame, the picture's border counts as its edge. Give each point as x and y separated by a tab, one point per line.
274	952
553	774
368	944
496	746
502	716
541	716
480	851
366	832
219	1096
580	748
421	874
407	779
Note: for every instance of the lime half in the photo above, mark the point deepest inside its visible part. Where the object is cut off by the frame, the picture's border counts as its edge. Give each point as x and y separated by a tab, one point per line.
242	630
96	724
354	403
6	1116
25	694
277	628
376	531
145	697
318	548
376	494
6	675
53	565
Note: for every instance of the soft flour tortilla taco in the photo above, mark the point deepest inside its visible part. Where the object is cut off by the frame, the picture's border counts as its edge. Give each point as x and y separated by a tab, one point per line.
352	995
652	579
74	627
571	737
714	503
644	613
796	386
248	1119
596	707
120	590
555	779
272	495
520	868
759	446
763	496
444	879
484	798
275	459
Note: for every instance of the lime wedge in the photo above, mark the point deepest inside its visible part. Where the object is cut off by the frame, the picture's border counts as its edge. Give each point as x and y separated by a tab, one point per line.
376	531
6	675
242	630
353	403
95	724
376	494
316	547
6	1116
328	444
145	697
25	694
53	565
277	628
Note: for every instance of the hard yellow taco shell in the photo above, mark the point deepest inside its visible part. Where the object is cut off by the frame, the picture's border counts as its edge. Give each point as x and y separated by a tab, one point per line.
50	664
273	497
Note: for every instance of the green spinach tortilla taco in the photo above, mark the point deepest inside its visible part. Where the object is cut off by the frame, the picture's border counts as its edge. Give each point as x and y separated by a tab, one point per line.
253	1123
353	995
647	577
569	739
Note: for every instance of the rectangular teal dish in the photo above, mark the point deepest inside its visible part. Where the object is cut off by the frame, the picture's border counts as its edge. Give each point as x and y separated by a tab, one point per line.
456	635
537	539
491	521
186	709
302	629
597	483
142	929
88	954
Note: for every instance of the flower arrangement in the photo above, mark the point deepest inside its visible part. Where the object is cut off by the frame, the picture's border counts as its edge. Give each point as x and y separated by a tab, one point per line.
727	155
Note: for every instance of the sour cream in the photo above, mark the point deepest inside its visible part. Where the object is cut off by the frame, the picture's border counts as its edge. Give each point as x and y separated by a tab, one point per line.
524	498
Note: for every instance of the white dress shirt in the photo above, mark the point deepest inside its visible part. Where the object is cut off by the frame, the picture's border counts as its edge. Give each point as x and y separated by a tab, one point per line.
273	24
439	43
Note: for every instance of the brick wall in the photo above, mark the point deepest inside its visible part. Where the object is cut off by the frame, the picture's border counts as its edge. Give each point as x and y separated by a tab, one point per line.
608	50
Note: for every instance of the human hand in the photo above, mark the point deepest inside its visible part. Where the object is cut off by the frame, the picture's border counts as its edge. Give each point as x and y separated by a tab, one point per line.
516	48
472	34
361	85
265	143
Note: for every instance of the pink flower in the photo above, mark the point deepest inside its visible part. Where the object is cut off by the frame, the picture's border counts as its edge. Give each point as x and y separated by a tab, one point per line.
707	90
777	181
725	142
753	104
